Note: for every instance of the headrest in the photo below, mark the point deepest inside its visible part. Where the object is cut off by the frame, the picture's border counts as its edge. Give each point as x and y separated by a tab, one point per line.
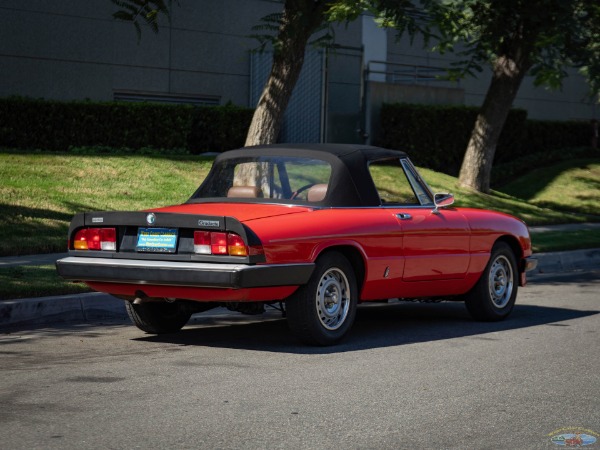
244	192
317	193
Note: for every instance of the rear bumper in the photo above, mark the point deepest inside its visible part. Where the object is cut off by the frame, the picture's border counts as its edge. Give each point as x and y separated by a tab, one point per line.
175	273
527	264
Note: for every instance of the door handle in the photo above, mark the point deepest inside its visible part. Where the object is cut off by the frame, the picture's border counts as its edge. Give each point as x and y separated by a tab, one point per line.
403	216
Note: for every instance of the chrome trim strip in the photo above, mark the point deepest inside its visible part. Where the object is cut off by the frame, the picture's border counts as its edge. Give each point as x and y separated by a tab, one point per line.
142	264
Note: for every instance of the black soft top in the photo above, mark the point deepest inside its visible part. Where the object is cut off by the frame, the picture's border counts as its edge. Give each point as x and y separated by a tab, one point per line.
350	183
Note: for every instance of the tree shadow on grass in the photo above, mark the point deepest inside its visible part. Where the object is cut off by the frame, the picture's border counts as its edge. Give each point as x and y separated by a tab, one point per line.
16	213
528	186
26	230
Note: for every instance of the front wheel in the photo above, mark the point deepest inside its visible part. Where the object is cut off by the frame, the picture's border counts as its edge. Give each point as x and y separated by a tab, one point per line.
322	311
493	297
158	317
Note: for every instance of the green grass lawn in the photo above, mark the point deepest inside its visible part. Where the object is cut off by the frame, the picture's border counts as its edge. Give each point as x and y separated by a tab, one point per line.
567	186
40	192
35	281
551	241
532	200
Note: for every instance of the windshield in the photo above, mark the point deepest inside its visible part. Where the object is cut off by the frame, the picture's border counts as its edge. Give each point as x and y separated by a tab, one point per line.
273	177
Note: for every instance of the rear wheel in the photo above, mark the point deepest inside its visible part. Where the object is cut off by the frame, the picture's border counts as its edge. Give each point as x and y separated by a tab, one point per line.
322	311
493	297
158	317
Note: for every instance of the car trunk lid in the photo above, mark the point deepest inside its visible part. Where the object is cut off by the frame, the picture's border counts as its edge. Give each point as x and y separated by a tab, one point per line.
243	212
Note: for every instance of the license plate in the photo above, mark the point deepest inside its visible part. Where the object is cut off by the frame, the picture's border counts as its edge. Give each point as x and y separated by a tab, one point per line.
157	240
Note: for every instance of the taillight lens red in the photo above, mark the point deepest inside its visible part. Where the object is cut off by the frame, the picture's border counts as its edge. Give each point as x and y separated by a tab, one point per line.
96	239
202	242
219	243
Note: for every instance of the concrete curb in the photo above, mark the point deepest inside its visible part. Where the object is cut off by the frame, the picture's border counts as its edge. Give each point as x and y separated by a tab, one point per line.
63	308
553	262
95	306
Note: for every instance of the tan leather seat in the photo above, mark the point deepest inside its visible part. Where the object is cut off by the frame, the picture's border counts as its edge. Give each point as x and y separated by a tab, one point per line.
317	193
244	192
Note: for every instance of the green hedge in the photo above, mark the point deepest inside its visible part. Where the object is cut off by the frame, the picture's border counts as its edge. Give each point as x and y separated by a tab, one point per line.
437	136
552	135
221	128
57	126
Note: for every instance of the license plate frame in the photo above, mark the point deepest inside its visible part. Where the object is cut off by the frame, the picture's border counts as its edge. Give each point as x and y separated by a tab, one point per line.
157	240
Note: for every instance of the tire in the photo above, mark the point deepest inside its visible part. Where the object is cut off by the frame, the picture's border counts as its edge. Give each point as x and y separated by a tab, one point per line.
158	317
493	297
323	311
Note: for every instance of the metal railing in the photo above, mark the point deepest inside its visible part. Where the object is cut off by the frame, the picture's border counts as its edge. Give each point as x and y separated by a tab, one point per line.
397	73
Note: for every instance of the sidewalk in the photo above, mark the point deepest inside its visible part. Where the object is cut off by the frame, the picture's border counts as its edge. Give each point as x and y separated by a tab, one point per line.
87	307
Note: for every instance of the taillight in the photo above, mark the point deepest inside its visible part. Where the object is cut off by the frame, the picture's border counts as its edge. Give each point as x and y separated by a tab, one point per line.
80	241
96	239
218	243
202	242
236	245
108	239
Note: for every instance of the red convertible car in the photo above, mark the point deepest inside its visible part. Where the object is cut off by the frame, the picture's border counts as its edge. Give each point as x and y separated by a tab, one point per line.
312	229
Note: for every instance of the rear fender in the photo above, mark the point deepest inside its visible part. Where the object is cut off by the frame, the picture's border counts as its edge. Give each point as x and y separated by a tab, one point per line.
353	251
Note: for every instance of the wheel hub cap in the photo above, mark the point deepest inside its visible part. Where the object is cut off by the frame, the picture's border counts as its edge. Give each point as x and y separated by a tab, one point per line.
501	282
333	299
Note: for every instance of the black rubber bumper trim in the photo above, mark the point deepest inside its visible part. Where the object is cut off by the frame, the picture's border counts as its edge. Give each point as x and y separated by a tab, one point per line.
236	276
529	263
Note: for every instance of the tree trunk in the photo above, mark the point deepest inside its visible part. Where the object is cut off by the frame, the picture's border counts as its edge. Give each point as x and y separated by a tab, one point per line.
268	116
299	21
476	168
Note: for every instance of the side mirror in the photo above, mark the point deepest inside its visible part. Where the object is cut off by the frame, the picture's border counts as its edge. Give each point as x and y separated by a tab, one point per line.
441	201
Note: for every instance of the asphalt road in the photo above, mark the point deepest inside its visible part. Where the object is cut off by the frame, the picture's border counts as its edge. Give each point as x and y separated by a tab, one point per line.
409	376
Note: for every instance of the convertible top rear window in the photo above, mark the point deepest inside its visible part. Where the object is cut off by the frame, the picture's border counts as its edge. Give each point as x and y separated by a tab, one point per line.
271	177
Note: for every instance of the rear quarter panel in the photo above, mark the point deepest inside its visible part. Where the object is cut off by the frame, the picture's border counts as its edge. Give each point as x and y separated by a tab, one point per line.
301	237
373	233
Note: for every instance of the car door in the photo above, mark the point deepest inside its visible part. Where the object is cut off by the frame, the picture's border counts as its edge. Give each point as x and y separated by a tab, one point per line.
435	242
435	245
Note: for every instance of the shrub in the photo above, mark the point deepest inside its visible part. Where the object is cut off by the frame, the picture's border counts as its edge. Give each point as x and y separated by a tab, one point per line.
58	126
218	129
551	135
437	136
